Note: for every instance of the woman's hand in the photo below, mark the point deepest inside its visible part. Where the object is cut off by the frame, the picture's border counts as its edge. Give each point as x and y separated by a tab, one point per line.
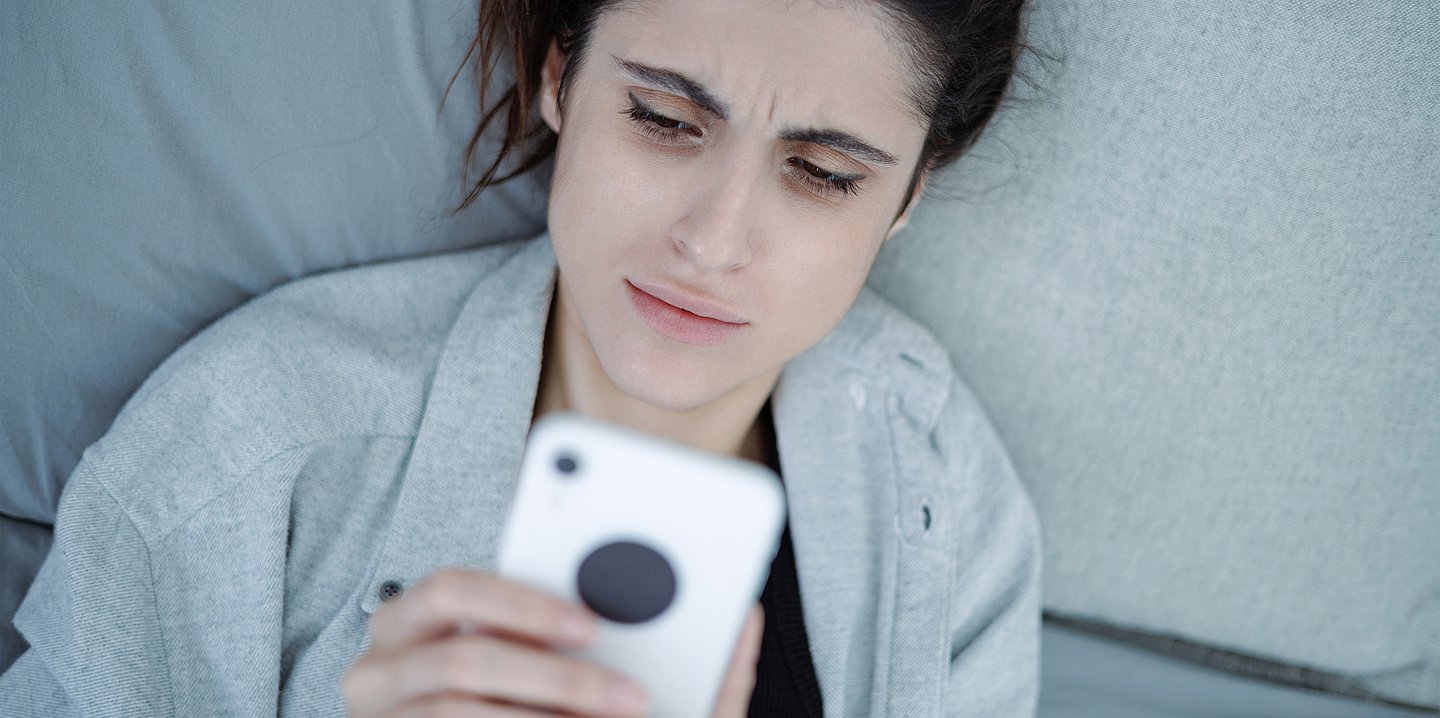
502	661
739	683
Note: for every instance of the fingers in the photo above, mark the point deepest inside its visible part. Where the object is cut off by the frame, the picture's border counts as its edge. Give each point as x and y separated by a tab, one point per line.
436	605
458	706
488	667
503	651
739	683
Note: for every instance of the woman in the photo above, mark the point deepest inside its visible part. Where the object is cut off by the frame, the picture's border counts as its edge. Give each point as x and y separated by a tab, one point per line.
300	507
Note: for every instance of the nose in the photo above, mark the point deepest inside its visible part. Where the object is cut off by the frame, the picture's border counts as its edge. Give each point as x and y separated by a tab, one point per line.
715	234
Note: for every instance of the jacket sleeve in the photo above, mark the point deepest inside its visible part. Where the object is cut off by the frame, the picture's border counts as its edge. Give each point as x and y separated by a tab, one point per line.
89	617
995	620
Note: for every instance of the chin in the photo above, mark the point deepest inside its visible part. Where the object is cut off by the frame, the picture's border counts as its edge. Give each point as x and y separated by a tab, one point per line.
667	385
671	402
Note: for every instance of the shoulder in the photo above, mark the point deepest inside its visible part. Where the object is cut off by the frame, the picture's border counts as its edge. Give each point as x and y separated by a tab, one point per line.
941	407
346	353
947	457
879	341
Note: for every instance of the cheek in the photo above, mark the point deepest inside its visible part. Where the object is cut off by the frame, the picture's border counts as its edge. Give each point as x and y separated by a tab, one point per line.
813	286
604	182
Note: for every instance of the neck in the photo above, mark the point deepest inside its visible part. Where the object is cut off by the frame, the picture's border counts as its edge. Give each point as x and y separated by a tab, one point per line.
572	380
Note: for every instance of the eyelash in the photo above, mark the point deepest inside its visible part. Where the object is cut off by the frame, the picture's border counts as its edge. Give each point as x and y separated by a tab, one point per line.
649	122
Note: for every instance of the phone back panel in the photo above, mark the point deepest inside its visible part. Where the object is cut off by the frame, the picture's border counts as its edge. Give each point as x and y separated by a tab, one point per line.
671	546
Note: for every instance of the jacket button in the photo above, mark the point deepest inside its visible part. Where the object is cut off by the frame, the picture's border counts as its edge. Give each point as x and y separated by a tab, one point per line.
390	589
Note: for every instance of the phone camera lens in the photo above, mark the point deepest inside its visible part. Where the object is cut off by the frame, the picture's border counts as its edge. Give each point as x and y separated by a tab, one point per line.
565	464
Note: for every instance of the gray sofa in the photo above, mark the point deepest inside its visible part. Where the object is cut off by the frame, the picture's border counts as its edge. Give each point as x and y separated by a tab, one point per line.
1193	271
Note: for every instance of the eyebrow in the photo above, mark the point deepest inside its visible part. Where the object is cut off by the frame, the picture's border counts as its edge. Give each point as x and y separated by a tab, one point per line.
694	91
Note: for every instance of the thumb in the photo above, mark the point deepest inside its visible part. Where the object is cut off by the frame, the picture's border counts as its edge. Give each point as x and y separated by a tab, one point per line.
739	683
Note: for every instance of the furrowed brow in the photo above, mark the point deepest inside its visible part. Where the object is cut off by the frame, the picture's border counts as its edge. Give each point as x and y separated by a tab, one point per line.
676	83
679	84
840	142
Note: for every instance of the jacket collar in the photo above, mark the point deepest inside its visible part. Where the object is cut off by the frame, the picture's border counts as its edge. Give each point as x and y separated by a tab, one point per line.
836	409
466	457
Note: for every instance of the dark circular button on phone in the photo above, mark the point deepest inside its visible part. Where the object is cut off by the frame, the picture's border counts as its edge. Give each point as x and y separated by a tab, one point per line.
626	582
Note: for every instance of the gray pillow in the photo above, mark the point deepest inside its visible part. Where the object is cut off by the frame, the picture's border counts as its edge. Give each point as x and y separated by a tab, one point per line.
1196	280
162	162
165	161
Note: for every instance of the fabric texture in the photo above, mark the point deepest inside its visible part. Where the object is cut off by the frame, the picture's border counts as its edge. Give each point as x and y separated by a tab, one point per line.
23	546
1083	675
164	162
785	683
221	549
1195	275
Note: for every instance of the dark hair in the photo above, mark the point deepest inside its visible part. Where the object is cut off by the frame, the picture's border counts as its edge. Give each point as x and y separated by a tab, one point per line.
964	53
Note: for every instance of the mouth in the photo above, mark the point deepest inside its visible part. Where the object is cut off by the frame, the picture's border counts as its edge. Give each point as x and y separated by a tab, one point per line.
699	323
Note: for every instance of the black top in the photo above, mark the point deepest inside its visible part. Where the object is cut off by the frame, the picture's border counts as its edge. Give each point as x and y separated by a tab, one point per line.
785	685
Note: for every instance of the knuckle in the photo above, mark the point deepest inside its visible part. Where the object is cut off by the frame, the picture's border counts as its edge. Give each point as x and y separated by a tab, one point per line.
543	622
456	665
473	664
436	584
538	613
436	595
554	614
521	609
511	598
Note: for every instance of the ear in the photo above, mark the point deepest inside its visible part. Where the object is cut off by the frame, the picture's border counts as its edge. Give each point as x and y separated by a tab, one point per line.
550	86
904	217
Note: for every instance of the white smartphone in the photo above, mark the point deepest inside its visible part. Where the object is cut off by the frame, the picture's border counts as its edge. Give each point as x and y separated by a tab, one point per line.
670	546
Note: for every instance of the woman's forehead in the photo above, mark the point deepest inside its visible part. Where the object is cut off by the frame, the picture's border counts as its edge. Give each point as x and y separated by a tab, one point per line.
778	62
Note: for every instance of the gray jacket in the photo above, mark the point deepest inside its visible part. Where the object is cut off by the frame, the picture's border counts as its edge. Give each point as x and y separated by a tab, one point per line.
220	550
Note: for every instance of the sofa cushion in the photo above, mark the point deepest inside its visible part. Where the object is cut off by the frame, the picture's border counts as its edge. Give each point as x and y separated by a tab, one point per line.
1195	277
165	161
1085	675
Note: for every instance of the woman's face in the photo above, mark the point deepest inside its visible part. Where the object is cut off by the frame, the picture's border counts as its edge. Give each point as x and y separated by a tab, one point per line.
744	160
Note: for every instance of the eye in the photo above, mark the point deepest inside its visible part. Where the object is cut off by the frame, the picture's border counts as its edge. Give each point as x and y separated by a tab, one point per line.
676	133
659	127
824	181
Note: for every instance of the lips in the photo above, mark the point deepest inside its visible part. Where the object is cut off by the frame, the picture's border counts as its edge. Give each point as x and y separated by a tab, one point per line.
689	302
694	321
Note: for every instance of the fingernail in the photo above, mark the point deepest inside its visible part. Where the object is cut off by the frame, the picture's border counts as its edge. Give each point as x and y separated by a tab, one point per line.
628	697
